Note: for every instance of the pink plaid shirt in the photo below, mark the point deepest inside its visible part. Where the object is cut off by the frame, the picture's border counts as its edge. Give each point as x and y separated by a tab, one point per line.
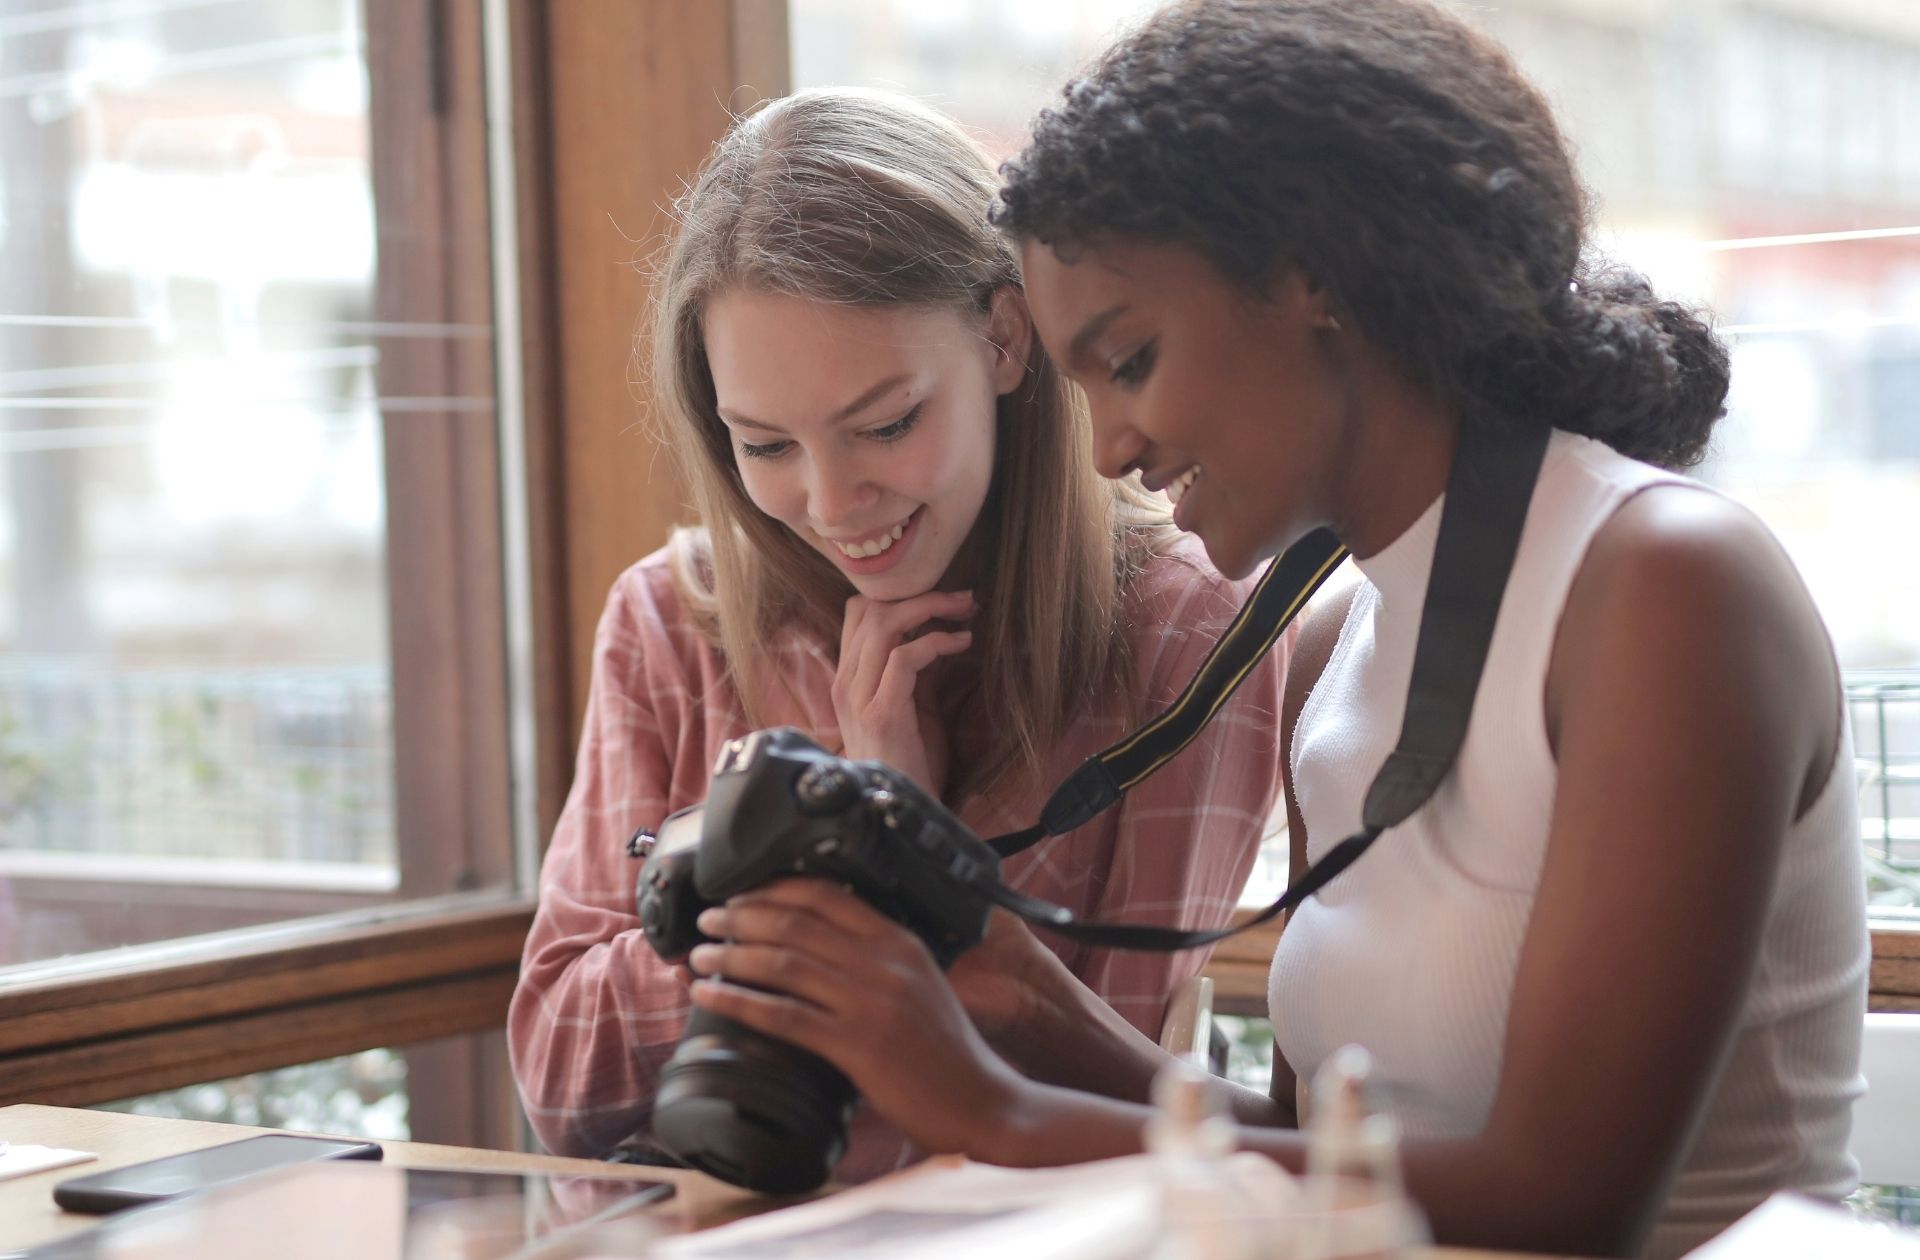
596	1013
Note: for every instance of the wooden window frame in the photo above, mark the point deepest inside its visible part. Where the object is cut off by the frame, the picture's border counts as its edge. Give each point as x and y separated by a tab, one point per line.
248	1001
613	103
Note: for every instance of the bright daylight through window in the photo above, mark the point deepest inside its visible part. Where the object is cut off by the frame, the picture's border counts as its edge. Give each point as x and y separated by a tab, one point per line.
245	343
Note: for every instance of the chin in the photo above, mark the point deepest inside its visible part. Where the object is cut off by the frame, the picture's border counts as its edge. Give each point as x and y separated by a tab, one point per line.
1233	562
892	587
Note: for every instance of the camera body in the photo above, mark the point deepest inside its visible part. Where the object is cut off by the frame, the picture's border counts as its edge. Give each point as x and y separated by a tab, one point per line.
733	1102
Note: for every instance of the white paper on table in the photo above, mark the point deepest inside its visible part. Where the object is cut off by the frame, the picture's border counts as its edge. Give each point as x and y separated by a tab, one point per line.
1791	1226
17	1160
949	1209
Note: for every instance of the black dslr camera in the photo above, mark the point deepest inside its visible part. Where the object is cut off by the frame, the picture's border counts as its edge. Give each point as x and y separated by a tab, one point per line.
733	1102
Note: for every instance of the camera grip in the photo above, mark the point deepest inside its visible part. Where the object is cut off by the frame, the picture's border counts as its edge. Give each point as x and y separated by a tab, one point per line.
669	904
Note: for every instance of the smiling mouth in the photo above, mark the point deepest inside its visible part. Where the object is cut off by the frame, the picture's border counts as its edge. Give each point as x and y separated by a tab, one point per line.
1178	487
873	546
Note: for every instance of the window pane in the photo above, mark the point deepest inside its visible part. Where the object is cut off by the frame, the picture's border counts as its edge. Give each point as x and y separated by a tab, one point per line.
356	1095
225	332
1759	160
454	1090
990	63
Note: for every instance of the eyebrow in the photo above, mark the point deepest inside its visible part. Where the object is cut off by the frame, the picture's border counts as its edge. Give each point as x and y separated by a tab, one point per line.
1082	340
853	408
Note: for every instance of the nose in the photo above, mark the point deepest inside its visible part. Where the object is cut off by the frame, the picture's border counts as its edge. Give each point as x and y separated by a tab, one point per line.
1117	445
839	493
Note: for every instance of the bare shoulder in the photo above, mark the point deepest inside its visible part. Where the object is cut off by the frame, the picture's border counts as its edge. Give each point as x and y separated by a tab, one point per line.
1687	592
1686	558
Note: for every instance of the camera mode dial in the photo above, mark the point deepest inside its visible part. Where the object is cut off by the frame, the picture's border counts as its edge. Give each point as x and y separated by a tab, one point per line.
824	789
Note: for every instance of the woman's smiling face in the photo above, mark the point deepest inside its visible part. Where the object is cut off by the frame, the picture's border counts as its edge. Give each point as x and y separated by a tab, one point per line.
1232	403
867	431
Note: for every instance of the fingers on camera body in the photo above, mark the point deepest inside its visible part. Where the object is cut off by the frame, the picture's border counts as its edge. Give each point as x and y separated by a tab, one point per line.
794	909
795	932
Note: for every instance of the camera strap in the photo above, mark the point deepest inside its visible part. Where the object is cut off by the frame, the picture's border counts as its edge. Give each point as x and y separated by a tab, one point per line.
1102	779
1489	489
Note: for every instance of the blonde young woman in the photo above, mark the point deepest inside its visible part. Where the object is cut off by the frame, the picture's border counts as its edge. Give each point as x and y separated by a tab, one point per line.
908	554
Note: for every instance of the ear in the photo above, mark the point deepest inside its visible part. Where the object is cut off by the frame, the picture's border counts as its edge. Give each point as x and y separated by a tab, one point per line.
1316	302
1010	331
1294	294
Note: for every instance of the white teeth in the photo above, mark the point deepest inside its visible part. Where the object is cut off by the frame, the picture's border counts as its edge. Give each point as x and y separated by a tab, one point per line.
1178	487
873	546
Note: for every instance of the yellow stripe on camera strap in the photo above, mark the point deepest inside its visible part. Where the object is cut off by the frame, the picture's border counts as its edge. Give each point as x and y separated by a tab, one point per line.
1489	489
1101	780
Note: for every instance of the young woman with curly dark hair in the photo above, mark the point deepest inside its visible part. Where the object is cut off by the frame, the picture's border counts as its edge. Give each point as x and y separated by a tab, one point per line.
1612	973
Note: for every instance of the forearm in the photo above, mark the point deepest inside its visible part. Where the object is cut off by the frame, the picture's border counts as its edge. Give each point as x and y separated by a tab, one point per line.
1038	1125
1479	1192
1044	1126
1069	1036
1072	1038
1472	1191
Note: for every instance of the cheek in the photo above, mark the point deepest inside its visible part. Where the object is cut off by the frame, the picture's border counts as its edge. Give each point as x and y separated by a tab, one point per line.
963	471
769	488
967	457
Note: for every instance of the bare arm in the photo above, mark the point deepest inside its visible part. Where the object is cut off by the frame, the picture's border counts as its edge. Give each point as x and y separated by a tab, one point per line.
1694	709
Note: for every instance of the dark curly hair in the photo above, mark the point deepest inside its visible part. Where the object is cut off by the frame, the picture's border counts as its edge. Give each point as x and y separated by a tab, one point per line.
1401	160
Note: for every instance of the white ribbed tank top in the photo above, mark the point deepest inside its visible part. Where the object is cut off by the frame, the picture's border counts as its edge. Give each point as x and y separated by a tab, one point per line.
1412	952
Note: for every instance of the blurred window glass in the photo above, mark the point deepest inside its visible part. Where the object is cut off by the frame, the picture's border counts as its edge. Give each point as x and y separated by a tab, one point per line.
426	1091
250	650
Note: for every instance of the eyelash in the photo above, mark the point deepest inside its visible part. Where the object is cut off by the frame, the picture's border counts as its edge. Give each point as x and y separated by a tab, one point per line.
885	433
899	428
1136	366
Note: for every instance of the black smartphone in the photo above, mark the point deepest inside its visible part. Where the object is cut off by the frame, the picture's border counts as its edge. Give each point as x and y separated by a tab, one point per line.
359	1209
175	1175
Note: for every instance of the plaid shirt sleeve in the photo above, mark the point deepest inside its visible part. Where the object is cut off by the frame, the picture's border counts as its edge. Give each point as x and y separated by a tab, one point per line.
596	1013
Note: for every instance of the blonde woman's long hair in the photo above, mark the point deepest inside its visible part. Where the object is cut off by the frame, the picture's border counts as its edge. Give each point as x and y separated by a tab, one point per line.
873	200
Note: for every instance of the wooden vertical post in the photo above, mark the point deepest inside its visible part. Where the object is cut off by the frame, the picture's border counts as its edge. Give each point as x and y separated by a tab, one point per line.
633	96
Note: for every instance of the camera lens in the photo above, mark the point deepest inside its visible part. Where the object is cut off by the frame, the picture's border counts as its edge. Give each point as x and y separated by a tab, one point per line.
751	1110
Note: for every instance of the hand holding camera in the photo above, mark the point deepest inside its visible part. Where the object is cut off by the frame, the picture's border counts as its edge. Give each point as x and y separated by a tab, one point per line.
810	963
735	1101
998	979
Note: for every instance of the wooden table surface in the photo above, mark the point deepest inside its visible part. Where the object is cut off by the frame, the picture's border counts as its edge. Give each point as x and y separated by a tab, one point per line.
28	1215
